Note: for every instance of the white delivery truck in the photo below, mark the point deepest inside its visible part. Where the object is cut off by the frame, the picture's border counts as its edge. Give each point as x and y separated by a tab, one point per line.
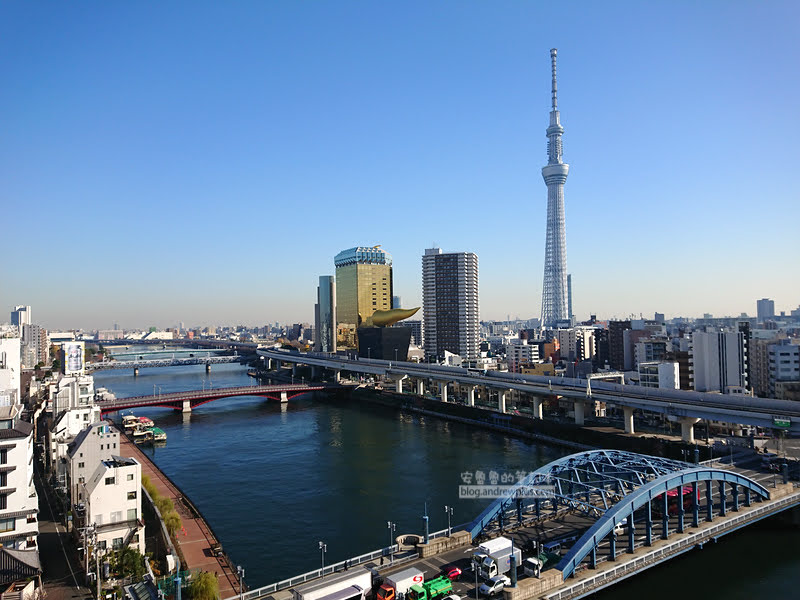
490	547
354	584
499	563
396	585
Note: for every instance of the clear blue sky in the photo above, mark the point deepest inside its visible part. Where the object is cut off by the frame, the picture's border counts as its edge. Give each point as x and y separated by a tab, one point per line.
204	162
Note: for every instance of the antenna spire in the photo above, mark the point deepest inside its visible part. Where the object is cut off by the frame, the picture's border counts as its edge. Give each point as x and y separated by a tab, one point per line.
553	53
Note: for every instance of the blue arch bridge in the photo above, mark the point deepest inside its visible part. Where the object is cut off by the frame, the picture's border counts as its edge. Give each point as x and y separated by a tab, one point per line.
601	516
622	494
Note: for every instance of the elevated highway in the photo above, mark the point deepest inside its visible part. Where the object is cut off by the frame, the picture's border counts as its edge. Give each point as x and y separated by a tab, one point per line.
687	406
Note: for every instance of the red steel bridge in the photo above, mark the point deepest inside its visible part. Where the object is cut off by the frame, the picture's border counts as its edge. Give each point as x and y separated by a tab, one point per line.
186	401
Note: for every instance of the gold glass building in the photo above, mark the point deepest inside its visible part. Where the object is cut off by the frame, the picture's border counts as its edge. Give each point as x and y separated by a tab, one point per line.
363	285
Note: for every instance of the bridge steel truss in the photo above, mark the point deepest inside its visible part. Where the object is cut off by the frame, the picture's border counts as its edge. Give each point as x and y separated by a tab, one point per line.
611	485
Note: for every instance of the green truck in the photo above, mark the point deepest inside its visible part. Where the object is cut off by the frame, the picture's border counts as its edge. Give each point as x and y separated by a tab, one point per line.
430	590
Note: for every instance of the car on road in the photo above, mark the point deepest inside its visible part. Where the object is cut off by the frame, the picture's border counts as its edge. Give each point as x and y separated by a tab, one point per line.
452	573
494	586
452	597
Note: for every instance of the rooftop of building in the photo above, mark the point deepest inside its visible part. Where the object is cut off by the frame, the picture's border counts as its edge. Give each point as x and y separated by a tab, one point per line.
363	255
119	461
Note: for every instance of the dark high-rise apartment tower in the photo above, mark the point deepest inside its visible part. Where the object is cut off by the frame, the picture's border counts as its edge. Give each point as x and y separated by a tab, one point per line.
325	315
554	288
450	304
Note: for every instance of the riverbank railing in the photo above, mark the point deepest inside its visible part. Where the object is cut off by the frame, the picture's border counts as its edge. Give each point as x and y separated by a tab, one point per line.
389	555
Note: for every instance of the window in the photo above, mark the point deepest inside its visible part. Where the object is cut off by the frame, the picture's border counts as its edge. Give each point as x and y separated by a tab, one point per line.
86	417
131	514
135	539
115	444
3	456
110	481
3	479
131	495
3	501
130	476
117	543
101	544
80	465
8	524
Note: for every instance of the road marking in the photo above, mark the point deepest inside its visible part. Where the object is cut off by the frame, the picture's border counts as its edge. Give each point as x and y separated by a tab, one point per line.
60	541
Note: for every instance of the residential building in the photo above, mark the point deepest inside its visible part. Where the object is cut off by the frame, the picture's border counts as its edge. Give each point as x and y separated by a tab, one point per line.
719	360
651	350
576	343
520	352
363	286
659	374
450	304
113	503
9	371
765	309
19	503
784	364
616	346
542	369
417	338
325	315
93	444
35	346
759	364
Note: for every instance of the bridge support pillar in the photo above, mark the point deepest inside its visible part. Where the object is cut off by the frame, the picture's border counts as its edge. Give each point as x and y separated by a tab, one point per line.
687	429
664	516
735	493
135	371
294	370
398	383
519	511
723	508
747	496
593	558
443	390
612	546
501	401
284	397
471	395
208	367
648	525
695	506
709	503
681	510
420	387
314	372
579	411
628	412
337	375
537	407
187	406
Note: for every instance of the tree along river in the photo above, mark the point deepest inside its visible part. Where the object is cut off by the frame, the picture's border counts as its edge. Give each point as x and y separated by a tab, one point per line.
274	480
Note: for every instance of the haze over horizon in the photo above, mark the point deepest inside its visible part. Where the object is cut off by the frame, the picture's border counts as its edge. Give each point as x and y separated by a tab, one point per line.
203	163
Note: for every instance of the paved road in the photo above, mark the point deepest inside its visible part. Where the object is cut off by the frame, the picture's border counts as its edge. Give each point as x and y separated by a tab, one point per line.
62	575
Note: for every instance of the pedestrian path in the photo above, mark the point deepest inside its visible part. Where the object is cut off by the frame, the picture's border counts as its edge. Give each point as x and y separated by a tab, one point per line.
195	538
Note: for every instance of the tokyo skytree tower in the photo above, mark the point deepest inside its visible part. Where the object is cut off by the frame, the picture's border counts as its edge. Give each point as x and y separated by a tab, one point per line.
554	288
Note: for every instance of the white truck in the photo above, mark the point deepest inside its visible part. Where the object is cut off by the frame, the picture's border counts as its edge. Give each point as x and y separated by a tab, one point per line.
494	557
396	585
354	584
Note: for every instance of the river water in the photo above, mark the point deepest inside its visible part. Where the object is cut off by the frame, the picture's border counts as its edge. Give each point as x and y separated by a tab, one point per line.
273	481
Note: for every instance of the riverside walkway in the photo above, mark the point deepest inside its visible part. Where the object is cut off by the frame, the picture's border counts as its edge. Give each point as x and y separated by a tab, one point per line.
196	538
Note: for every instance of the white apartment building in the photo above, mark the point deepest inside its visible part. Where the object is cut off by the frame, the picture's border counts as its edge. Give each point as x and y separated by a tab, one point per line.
784	364
113	503
20	316
659	374
450	304
519	352
576	343
718	360
19	504
9	371
95	443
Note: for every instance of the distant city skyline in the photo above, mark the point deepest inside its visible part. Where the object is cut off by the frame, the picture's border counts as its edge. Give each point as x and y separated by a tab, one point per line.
203	163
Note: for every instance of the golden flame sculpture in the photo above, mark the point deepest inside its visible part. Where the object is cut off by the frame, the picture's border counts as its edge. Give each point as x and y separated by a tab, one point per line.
384	318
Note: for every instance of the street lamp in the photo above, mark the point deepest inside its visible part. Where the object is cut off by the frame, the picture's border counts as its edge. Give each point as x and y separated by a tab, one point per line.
323	547
448	510
240	570
392	527
395	355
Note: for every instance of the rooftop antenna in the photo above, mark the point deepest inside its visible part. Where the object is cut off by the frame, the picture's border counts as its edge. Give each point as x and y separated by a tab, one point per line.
554	91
